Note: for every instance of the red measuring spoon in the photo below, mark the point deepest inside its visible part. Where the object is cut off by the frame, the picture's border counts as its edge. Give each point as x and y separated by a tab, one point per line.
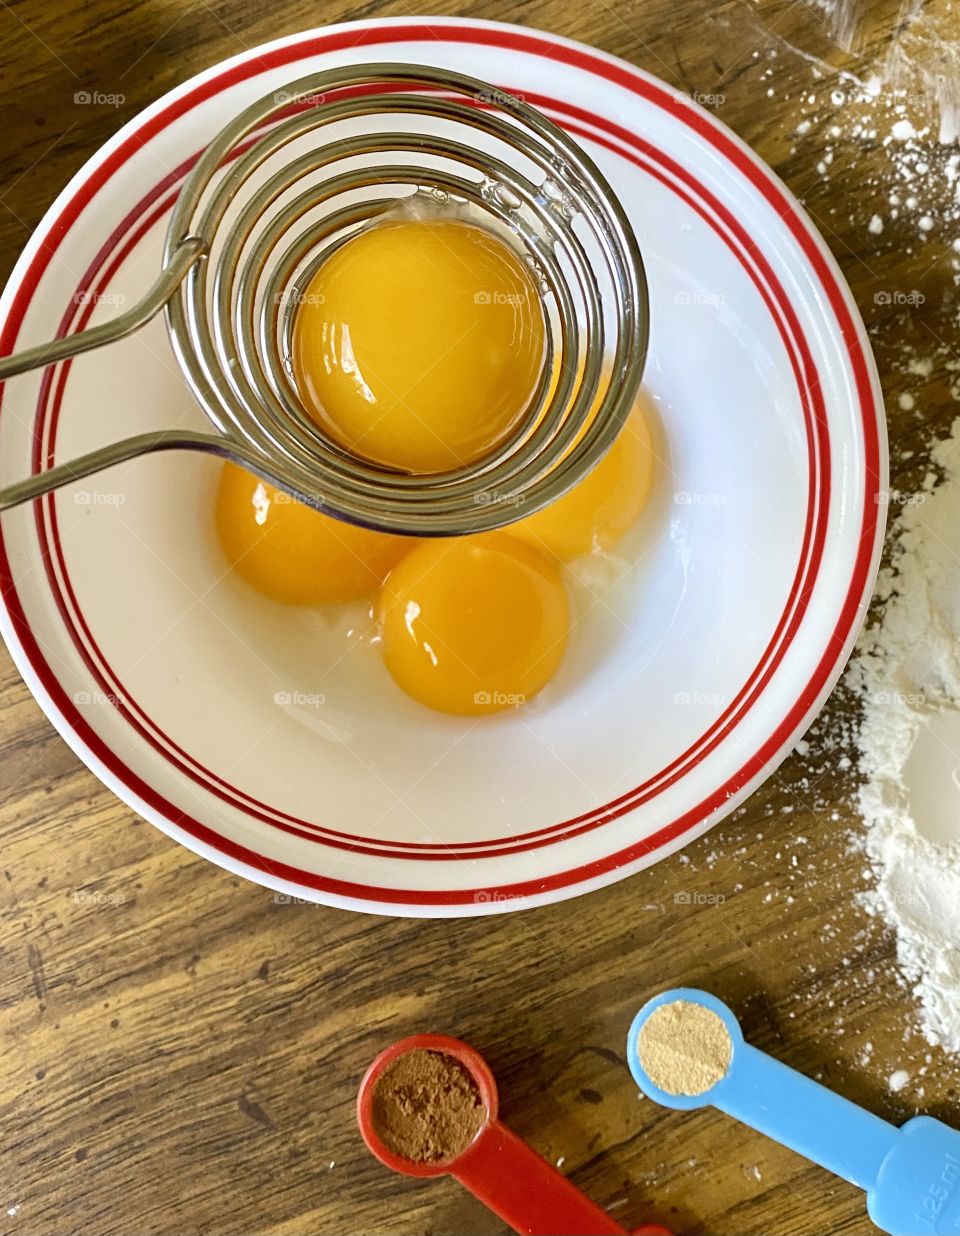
497	1167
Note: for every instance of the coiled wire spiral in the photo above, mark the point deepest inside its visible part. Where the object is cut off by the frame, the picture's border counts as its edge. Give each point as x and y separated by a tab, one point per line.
288	181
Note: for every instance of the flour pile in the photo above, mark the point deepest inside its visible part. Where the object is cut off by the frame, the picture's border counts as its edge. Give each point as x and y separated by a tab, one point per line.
907	672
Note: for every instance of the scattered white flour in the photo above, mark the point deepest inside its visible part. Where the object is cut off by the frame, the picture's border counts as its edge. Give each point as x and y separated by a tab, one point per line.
906	112
907	671
923	57
841	20
896	1081
902	131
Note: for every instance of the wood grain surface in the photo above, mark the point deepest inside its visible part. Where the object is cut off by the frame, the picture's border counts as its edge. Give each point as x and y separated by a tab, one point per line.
181	1053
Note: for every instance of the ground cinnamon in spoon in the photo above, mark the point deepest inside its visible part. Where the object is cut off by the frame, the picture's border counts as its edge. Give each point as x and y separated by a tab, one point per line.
426	1107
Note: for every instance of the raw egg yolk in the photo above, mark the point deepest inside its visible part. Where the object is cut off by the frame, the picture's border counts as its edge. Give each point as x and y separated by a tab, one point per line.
597	511
292	553
418	344
473	625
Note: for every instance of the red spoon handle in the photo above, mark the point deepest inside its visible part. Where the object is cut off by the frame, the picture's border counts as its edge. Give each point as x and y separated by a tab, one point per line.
525	1191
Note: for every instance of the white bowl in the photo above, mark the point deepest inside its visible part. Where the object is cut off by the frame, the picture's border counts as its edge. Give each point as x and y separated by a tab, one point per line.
238	727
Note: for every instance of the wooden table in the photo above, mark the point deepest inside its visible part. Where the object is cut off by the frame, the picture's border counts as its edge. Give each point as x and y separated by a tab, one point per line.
181	1054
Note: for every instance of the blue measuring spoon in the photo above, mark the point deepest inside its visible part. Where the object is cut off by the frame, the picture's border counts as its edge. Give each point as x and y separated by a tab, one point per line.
911	1175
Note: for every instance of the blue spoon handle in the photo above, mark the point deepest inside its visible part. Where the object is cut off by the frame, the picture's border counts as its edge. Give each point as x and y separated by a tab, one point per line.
825	1127
911	1175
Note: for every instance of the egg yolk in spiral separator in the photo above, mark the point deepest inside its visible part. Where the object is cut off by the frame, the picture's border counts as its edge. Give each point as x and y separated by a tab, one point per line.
419	343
